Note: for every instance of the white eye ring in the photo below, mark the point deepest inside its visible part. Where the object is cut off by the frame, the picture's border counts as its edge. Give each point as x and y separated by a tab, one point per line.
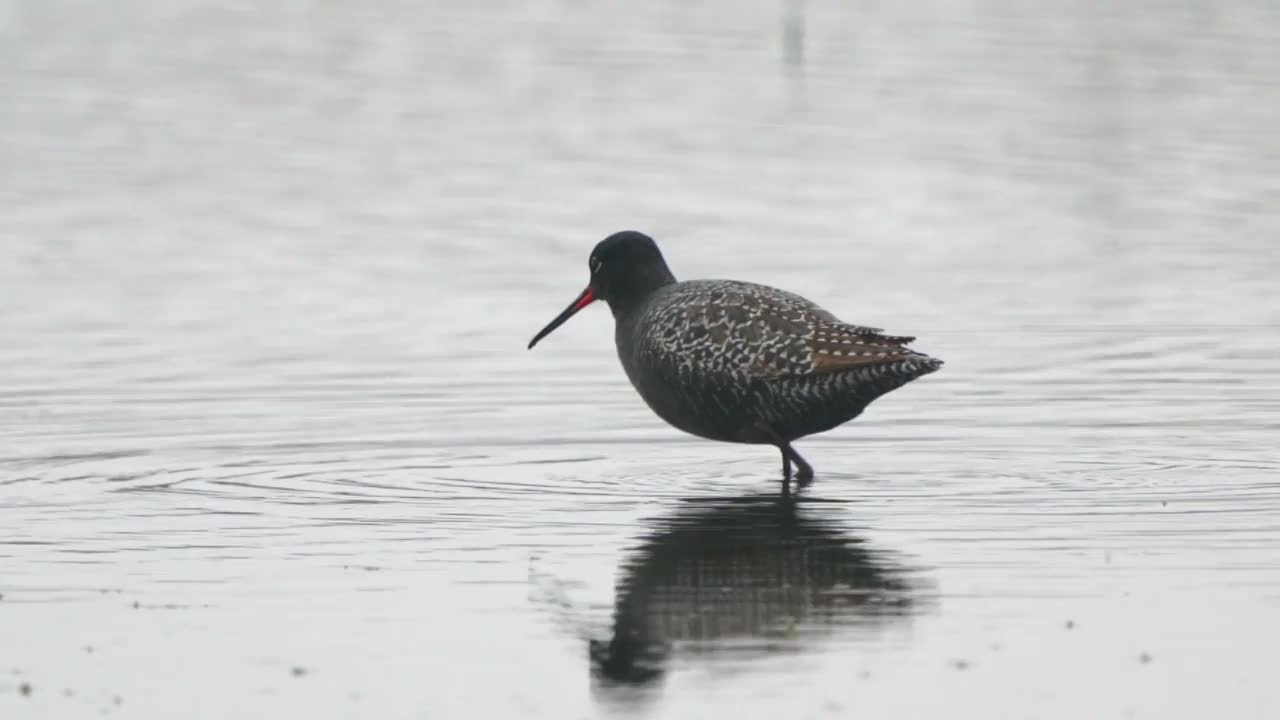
595	264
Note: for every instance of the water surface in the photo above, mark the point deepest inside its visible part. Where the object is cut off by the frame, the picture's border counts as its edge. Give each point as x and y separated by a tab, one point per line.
271	444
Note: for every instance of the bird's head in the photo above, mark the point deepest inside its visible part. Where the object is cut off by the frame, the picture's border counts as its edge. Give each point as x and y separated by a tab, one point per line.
625	267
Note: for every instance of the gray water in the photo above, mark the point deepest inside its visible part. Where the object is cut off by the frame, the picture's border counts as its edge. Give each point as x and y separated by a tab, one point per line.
271	444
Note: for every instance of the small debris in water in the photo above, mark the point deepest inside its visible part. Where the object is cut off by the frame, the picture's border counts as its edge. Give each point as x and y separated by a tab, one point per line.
1144	658
960	664
298	671
88	649
25	689
67	693
866	674
1071	624
136	604
117	700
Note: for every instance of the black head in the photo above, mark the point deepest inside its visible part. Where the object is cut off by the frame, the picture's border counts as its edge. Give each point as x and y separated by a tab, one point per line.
625	267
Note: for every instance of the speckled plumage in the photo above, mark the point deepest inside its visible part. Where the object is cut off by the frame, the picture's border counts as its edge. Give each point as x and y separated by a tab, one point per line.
740	362
736	361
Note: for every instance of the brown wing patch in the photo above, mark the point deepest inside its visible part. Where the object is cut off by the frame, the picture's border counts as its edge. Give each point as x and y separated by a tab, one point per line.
898	340
825	360
841	347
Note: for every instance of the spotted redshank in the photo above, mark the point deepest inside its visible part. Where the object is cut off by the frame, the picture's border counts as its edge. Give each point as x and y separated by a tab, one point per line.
735	361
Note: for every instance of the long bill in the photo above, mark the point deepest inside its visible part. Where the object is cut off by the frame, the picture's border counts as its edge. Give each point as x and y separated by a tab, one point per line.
586	298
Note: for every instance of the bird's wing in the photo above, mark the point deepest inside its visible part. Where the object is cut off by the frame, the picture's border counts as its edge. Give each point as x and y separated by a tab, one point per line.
836	346
749	330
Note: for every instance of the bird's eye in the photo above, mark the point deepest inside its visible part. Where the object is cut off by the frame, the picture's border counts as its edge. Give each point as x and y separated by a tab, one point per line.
595	264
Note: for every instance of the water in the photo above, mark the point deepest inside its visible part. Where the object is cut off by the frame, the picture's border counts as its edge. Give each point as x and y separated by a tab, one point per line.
271	444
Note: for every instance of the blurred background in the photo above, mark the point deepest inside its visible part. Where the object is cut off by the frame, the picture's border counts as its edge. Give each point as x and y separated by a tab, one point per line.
271	443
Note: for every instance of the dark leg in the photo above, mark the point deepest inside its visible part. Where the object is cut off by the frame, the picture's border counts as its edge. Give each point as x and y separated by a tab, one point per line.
804	473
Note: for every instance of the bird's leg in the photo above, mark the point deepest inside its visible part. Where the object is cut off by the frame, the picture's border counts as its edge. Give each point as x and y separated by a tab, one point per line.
804	471
786	472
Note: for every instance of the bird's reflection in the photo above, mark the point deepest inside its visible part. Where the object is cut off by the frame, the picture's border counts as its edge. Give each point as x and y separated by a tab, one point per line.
756	574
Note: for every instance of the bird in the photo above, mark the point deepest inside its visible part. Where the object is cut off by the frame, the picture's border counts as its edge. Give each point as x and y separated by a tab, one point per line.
735	361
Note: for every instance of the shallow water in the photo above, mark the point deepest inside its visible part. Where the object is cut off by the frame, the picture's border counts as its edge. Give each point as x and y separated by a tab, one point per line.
271	444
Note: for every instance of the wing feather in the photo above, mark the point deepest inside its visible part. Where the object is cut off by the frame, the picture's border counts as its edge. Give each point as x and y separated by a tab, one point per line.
743	329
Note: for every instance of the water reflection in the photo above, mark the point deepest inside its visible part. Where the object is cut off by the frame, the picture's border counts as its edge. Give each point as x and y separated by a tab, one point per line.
747	577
